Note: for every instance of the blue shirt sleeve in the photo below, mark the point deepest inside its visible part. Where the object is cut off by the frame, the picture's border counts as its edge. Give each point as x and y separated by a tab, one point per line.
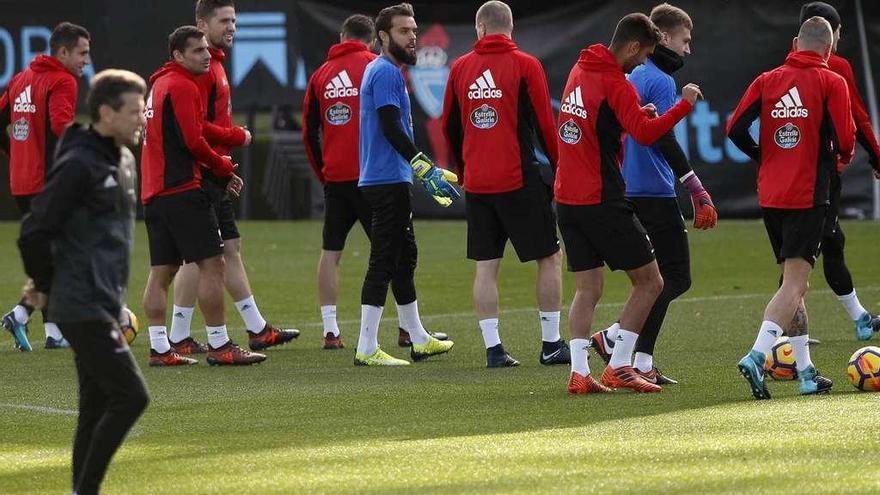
387	87
663	94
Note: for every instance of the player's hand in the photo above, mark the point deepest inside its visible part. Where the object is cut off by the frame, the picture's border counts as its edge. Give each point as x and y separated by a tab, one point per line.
691	92
247	136
650	110
32	296
233	188
705	215
437	181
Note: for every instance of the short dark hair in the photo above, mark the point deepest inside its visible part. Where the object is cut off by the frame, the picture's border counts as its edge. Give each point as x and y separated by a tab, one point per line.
359	27
384	21
635	27
205	8
823	10
178	40
67	35
108	86
669	18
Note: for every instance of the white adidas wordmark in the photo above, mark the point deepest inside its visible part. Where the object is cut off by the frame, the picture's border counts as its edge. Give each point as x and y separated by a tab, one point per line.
574	104
340	87
23	103
484	87
790	106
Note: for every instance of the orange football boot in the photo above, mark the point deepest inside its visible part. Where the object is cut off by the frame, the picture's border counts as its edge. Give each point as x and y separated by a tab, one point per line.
626	377
270	337
580	384
169	358
230	354
188	347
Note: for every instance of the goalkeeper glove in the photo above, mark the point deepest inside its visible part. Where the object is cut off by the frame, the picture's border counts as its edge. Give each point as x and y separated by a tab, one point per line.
435	180
705	215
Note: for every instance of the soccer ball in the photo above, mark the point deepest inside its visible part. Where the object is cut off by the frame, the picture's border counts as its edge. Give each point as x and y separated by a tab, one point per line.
129	325
780	363
863	369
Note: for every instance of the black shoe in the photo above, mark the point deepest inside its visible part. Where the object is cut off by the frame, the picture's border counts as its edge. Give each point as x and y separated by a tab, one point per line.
602	345
404	341
657	377
497	357
555	353
875	323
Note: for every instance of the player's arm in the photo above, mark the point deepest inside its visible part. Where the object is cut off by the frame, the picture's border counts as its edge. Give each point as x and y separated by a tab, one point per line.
62	105
840	111
190	118
748	109
624	101
5	121
312	131
539	97
224	136
865	134
65	187
452	127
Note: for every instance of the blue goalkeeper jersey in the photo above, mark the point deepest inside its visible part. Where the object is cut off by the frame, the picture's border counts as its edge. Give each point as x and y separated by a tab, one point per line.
645	170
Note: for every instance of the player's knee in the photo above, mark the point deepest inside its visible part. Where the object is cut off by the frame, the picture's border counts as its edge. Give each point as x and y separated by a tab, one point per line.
651	283
677	284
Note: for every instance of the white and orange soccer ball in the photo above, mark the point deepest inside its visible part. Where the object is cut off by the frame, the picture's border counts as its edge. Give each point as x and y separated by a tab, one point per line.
863	369
780	363
129	325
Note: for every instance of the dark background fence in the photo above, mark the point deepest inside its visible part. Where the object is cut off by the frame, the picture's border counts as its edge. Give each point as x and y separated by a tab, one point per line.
281	42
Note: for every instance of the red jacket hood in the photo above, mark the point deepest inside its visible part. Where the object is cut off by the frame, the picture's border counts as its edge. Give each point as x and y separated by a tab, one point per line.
346	47
599	58
805	58
217	53
171	68
495	43
46	63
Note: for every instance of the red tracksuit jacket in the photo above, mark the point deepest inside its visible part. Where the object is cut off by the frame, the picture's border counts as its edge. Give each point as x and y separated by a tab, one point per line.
218	129
806	127
864	131
496	102
331	126
598	106
174	143
39	103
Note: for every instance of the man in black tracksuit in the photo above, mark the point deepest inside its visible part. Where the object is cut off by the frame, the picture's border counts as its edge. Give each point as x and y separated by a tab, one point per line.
77	241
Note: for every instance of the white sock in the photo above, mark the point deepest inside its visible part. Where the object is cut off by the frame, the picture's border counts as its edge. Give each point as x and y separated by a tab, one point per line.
644	362
767	336
611	332
20	314
623	348
328	314
801	351
408	315
489	327
549	326
52	330
368	340
159	339
217	336
249	312
181	323
579	357
852	305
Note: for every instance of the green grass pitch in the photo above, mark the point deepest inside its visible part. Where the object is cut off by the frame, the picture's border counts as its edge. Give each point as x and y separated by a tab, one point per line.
307	421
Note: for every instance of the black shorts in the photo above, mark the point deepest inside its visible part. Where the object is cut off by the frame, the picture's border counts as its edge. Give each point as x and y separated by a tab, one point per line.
182	228
223	208
665	226
795	233
24	203
608	233
344	204
525	216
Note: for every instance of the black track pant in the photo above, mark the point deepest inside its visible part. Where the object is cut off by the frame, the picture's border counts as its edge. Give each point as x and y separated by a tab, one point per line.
833	241
393	252
112	395
661	217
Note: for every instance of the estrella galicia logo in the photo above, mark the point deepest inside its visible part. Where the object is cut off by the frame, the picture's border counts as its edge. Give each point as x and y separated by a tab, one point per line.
569	132
787	136
21	129
484	117
338	114
260	37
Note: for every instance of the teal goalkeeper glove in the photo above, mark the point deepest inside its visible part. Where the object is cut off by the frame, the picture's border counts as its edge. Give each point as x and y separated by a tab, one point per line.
435	180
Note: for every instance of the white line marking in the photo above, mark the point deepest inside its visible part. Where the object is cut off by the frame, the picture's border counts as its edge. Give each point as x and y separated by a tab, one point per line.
41	409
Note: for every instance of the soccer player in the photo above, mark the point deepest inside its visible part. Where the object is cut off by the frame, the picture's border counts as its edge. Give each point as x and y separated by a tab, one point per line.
388	161
330	130
77	239
38	104
497	103
597	222
180	218
650	173
833	241
216	18
806	130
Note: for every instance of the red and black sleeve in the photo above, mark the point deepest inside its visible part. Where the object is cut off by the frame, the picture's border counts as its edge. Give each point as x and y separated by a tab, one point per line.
624	101
190	118
864	130
840	111
452	128
5	121
312	130
62	105
223	136
539	95
748	109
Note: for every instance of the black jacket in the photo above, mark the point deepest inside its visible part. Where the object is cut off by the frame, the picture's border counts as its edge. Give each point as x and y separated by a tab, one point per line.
76	242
